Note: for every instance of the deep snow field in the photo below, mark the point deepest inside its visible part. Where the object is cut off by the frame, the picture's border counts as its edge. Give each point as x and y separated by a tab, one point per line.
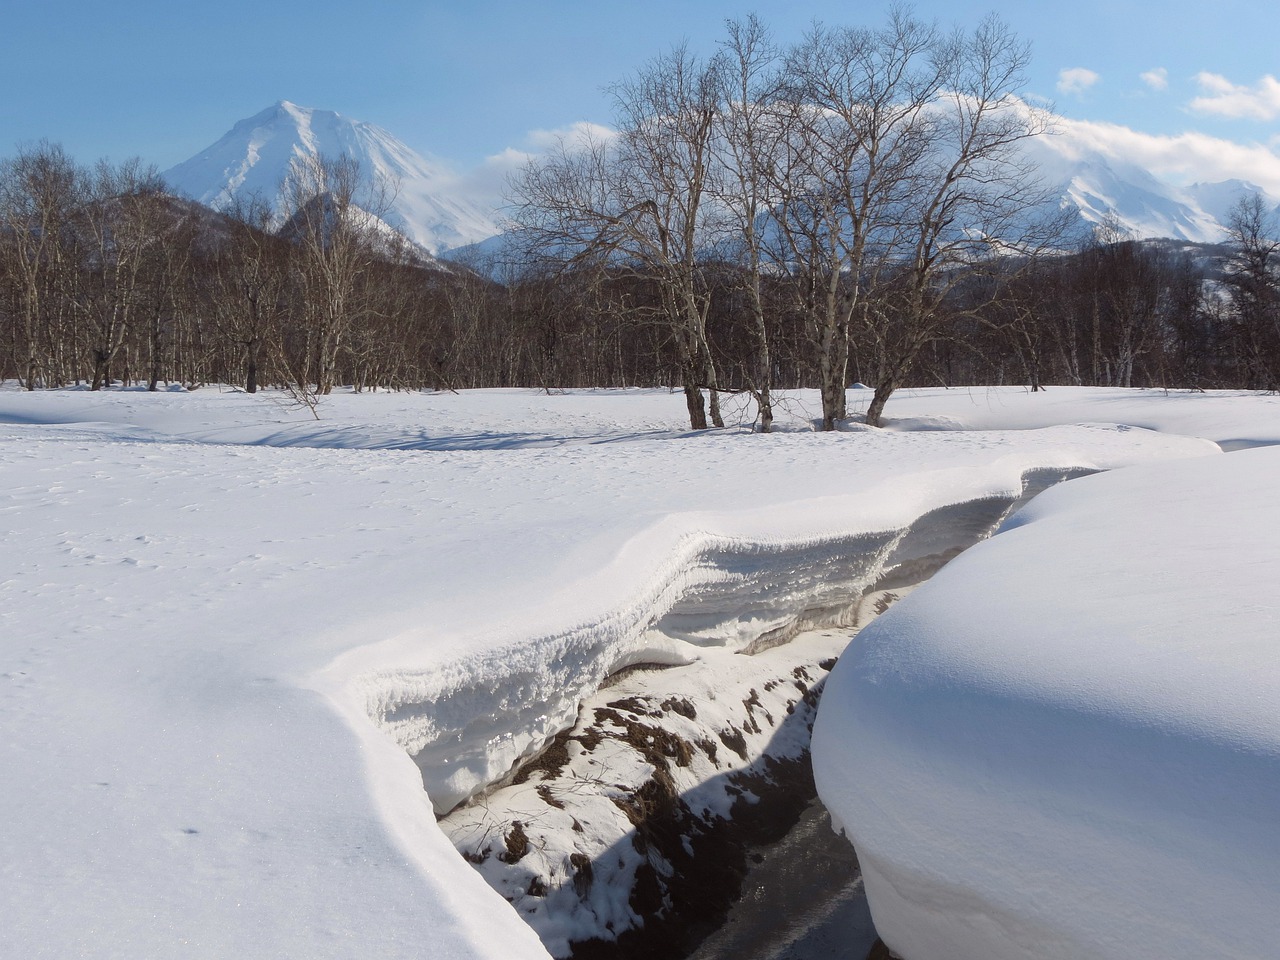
237	641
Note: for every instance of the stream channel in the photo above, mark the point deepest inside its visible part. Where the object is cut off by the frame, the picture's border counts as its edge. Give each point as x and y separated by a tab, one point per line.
802	899
677	817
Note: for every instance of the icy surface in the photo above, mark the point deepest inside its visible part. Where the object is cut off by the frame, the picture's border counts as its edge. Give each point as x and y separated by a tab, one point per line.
226	628
1067	744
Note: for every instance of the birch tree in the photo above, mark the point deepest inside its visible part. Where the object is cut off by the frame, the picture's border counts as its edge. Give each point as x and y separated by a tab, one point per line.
637	200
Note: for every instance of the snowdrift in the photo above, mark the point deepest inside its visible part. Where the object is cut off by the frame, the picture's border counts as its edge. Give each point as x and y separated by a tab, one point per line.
1067	743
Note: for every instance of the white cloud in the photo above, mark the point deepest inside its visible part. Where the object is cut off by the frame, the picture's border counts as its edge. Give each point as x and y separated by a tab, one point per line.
1183	159
1226	99
1076	80
487	185
1157	79
576	134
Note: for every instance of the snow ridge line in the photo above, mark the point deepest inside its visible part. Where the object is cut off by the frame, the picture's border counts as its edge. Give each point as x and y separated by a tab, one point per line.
470	724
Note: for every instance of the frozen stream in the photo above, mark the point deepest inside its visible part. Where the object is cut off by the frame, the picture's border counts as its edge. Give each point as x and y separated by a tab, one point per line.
670	814
230	629
803	900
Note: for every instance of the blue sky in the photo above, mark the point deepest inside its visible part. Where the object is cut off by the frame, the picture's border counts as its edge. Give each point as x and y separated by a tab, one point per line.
465	80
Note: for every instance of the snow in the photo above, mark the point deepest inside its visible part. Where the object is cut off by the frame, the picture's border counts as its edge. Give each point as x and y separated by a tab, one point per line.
1233	419
425	201
229	629
1066	743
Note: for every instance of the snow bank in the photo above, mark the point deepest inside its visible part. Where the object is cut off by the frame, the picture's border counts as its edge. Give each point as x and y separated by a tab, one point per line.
1234	419
1067	743
226	626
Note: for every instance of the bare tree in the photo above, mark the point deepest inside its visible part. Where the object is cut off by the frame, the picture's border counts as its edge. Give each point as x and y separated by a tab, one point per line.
748	136
41	191
973	197
859	100
331	217
1253	282
251	287
121	225
637	201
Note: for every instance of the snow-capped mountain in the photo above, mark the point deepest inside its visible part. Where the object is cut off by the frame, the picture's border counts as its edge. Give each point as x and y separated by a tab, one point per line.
1217	199
425	200
432	207
1107	187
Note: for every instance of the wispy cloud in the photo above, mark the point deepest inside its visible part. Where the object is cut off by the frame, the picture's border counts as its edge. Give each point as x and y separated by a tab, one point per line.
576	134
1223	98
1157	79
1076	80
1184	158
488	184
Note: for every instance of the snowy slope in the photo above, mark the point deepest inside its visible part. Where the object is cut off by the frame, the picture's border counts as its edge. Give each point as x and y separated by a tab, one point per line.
426	202
226	626
1217	199
1104	188
1233	419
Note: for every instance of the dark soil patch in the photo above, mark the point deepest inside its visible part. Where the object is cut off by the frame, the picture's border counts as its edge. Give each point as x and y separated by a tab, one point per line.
734	740
656	744
681	706
549	762
548	797
517	844
635	705
708	860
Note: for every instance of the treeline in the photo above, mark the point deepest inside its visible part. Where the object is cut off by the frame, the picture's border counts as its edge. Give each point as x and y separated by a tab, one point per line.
855	208
105	278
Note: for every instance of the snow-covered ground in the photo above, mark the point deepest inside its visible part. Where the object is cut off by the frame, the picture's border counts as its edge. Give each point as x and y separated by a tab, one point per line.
230	629
1067	743
1233	419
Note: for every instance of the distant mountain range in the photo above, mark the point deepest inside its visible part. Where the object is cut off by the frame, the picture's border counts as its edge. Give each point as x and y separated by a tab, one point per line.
431	205
1102	187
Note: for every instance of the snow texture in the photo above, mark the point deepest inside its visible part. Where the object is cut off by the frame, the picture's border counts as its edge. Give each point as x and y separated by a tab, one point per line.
228	628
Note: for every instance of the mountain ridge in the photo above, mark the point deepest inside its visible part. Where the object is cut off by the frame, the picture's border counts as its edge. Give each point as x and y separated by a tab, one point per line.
431	205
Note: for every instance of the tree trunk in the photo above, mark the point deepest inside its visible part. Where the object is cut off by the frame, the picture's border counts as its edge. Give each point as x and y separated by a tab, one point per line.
765	402
875	412
251	367
694	400
833	368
